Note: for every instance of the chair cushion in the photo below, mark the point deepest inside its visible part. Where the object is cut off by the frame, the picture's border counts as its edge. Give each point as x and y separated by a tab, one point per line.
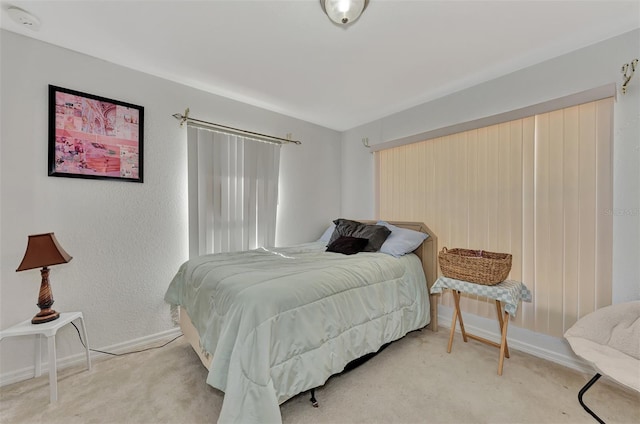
609	339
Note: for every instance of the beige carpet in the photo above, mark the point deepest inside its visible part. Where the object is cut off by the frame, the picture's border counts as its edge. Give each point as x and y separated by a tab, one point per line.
413	381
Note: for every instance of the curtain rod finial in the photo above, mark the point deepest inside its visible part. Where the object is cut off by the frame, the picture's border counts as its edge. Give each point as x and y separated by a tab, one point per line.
627	72
182	118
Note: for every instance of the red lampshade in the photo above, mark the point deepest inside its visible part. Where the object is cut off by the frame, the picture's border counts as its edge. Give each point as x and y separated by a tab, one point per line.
43	250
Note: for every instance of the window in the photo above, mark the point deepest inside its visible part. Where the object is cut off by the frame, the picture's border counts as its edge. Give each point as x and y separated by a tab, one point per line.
233	192
539	187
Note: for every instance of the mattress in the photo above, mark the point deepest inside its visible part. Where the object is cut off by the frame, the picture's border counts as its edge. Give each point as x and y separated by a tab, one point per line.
282	321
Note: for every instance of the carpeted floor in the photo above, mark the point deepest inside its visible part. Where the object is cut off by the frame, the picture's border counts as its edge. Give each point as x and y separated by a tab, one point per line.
414	380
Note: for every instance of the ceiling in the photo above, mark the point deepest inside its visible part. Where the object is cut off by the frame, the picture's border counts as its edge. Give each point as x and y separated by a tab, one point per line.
288	57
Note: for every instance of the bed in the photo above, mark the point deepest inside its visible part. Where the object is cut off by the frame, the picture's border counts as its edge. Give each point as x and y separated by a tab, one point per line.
272	323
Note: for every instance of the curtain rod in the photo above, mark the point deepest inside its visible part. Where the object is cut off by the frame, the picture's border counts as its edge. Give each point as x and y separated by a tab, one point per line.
230	130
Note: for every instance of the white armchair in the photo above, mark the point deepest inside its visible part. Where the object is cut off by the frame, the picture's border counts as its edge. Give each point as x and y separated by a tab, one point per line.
609	339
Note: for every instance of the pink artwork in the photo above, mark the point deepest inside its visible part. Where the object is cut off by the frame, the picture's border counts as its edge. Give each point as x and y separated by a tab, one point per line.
94	137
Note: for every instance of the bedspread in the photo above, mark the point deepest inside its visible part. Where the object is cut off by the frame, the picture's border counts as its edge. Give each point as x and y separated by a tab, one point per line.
282	321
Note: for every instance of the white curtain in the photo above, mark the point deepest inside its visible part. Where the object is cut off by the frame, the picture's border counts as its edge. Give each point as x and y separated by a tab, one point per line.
233	192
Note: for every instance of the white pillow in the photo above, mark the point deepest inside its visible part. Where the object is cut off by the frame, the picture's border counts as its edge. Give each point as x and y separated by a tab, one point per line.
326	236
401	240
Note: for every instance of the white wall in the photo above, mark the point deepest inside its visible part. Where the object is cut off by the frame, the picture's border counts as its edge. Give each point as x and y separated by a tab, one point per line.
358	171
127	240
577	71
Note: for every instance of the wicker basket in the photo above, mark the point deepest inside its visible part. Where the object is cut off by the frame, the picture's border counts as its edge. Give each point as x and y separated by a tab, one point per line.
476	266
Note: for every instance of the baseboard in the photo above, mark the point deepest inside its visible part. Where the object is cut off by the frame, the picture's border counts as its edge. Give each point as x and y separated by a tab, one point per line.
79	359
540	345
536	344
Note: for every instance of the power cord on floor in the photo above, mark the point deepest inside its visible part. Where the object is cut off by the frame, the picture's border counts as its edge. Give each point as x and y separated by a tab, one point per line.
125	353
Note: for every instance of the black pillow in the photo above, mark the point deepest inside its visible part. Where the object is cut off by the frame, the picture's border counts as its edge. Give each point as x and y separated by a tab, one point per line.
347	245
376	234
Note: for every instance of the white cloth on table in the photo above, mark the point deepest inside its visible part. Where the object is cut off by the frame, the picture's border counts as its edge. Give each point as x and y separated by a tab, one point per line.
509	292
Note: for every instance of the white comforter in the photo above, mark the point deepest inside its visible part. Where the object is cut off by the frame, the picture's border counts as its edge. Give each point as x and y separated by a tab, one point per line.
282	321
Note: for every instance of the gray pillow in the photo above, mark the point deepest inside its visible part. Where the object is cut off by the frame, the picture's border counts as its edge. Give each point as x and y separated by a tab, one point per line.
376	234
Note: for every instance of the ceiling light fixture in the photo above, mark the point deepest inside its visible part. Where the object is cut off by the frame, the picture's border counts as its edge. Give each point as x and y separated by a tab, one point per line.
343	12
24	18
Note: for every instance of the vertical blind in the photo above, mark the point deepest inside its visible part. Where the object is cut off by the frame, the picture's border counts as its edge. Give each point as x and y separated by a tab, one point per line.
539	188
233	192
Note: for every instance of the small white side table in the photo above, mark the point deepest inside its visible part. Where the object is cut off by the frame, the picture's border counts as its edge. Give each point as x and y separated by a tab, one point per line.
48	330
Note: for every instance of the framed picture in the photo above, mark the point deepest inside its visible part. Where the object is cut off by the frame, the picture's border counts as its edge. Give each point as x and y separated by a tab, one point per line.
94	137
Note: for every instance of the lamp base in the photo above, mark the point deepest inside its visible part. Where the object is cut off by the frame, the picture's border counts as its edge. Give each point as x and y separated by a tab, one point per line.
45	301
45	315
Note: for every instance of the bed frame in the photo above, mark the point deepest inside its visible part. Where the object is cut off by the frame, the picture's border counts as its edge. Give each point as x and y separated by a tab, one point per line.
427	252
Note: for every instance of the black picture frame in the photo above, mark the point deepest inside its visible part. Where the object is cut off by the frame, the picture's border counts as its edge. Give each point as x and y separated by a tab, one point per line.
94	137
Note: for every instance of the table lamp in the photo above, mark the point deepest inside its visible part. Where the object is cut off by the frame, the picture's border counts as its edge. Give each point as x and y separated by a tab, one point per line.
43	251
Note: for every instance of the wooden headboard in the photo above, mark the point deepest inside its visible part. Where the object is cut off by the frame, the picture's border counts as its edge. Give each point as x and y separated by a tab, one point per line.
428	254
